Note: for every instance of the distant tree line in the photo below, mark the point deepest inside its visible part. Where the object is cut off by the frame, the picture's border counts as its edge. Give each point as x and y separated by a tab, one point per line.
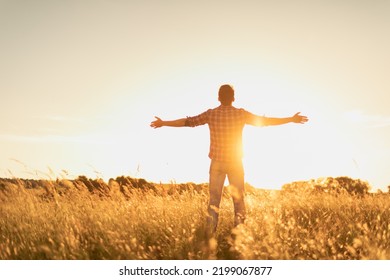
126	185
330	185
121	185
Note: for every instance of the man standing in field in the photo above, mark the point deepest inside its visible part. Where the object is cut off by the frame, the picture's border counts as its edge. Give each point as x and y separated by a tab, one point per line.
226	124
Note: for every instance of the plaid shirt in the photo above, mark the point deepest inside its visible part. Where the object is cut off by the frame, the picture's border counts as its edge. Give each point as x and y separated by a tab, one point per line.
226	124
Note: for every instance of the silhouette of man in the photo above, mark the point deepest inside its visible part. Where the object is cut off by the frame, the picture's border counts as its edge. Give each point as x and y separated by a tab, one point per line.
226	124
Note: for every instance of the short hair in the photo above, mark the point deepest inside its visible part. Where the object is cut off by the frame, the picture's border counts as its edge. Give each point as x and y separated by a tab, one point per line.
226	94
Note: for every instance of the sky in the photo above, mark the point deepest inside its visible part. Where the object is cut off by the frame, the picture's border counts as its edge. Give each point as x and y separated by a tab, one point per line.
82	80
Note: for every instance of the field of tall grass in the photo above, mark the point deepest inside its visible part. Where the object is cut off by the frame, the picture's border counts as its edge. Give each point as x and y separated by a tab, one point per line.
132	219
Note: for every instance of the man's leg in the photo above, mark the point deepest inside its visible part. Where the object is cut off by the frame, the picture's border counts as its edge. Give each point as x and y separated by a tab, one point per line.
236	181
216	182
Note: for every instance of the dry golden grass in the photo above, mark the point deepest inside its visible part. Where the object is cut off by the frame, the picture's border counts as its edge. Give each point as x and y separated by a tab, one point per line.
67	221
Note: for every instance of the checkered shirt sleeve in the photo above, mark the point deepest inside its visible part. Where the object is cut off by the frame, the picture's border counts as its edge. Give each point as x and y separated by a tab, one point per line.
198	120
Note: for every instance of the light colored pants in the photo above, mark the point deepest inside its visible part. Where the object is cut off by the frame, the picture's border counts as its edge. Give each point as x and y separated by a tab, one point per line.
235	173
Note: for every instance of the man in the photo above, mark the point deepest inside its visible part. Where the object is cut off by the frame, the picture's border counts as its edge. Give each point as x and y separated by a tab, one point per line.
226	124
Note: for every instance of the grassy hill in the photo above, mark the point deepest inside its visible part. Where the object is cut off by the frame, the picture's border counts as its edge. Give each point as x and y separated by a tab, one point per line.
129	218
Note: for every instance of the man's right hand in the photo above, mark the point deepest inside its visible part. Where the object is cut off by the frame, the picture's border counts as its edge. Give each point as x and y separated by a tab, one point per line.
297	118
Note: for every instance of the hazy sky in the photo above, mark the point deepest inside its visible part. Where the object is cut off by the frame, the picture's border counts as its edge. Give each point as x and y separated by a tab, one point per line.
82	80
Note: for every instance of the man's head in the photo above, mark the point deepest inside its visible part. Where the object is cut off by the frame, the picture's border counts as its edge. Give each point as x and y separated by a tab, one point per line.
226	94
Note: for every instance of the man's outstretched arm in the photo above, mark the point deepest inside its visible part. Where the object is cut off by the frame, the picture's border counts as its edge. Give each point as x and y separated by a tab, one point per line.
175	123
297	118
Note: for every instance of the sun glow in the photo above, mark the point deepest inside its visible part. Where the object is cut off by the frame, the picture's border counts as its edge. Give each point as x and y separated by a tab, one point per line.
273	156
